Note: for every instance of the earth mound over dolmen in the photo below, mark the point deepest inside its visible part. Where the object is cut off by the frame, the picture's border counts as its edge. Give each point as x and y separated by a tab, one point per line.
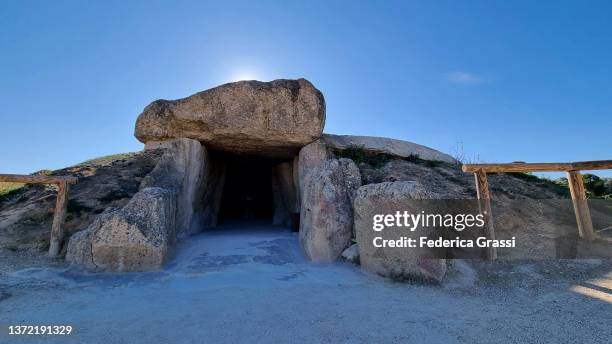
281	120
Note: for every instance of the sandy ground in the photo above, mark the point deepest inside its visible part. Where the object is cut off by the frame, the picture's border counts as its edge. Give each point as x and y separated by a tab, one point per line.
255	286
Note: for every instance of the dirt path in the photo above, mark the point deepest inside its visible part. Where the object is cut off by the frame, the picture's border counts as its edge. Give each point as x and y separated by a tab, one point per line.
255	286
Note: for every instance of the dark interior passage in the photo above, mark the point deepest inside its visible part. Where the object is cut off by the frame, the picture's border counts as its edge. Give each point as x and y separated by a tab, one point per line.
247	191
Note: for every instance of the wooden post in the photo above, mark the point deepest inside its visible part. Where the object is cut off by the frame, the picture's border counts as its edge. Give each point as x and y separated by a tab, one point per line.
63	182
57	231
581	207
484	203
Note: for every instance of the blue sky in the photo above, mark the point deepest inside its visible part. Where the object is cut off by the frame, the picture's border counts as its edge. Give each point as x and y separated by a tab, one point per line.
507	81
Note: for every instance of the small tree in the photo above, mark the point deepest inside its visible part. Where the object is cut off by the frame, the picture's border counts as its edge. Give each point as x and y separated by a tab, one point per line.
608	185
594	185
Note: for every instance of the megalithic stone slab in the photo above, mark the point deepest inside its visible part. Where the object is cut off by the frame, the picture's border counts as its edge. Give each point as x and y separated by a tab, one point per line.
326	223
265	118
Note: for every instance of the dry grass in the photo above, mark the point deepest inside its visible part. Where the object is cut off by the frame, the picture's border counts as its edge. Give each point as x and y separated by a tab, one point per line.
7	189
105	160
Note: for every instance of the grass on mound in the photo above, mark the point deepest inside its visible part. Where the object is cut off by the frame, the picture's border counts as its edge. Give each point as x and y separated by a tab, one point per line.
103	160
8	189
360	155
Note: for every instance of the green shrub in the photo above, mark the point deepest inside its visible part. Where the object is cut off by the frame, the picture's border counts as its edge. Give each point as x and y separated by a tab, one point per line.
595	186
557	186
413	158
43	173
361	156
432	163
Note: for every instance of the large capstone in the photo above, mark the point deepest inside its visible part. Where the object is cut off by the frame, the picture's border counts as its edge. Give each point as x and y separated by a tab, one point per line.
263	118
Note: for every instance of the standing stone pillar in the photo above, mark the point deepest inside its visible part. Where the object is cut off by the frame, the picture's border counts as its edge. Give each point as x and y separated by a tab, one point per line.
285	196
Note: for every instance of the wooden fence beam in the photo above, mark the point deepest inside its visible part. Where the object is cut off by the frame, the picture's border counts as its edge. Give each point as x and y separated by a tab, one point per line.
516	167
484	204
575	182
540	167
61	203
581	207
592	165
57	231
14	178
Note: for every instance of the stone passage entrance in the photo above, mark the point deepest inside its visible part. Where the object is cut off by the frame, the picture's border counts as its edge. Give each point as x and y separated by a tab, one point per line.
253	188
247	191
251	133
229	154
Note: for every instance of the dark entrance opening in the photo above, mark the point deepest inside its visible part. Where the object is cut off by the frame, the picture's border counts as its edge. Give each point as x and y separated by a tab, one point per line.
247	190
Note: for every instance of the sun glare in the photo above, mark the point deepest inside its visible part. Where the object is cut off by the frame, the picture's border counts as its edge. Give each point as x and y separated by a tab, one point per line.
243	76
598	288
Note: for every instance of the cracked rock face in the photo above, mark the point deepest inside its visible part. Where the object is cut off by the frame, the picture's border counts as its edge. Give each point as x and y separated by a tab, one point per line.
393	262
326	223
267	118
141	235
135	238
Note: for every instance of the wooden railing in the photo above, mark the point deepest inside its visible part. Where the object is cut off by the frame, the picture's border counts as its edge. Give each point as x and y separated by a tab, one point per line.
574	178
59	215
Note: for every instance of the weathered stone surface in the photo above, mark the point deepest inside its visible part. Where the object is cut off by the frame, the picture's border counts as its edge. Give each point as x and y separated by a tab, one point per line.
311	156
172	202
284	192
296	182
207	211
281	215
266	118
184	168
351	254
284	173
138	237
385	145
79	247
326	223
397	263
104	182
